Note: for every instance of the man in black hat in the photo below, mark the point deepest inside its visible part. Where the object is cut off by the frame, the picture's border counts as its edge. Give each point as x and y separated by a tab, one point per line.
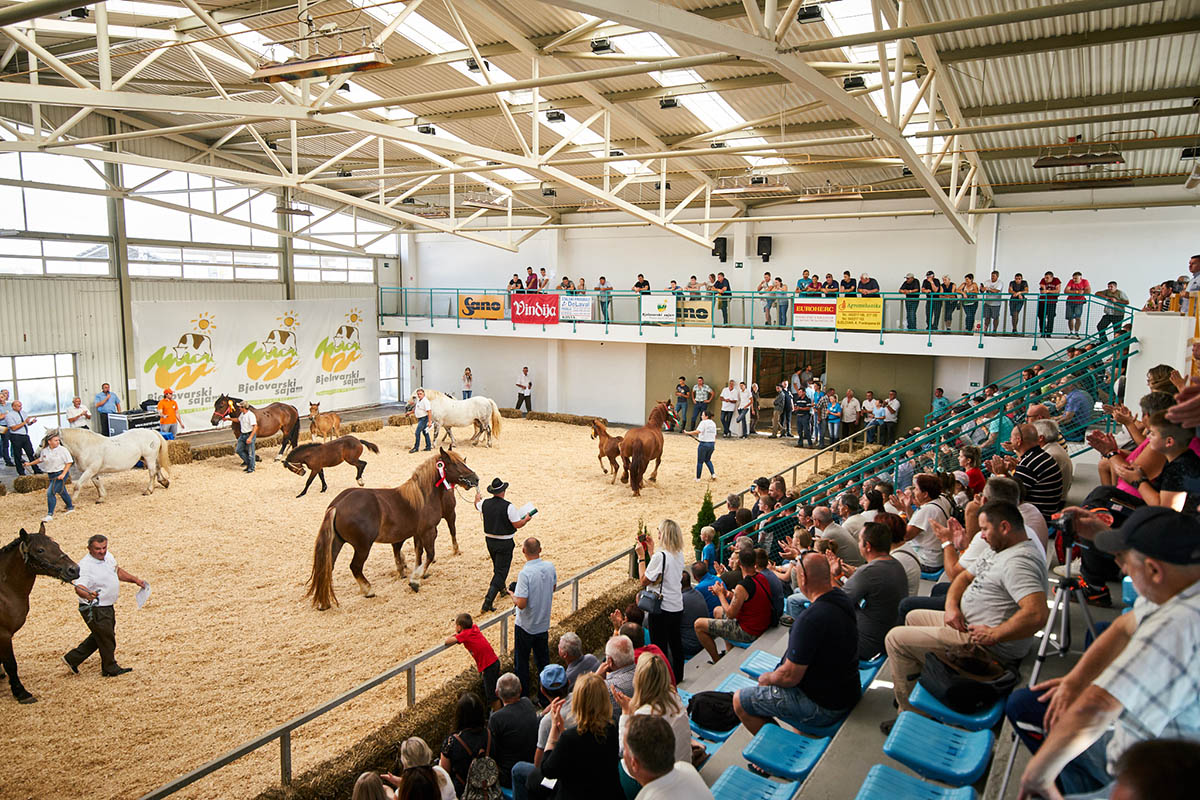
501	521
1140	676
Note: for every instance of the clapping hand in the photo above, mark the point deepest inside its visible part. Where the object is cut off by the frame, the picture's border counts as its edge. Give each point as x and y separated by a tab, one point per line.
997	465
1103	443
1186	411
623	700
556	719
952	530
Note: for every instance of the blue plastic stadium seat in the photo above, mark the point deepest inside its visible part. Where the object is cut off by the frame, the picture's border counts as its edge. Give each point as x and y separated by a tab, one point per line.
924	701
712	736
742	645
735	681
932	576
758	663
867	674
684	695
506	793
885	783
784	754
1128	592
738	783
877	661
939	751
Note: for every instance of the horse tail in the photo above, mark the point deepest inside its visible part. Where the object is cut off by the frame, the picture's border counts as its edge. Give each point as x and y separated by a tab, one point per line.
320	583
637	464
292	437
372	447
495	419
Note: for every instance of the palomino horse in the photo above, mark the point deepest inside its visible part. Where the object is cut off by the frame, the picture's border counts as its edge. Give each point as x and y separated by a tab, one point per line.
21	561
325	425
272	419
362	517
95	455
610	448
317	456
642	445
447	412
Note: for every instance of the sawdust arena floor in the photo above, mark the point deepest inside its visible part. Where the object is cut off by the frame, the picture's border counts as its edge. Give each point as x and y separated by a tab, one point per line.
228	647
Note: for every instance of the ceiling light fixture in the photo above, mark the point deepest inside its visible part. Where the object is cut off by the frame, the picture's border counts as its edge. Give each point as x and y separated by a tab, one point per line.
854	82
753	184
668	102
591	206
548	192
811	13
484	201
428	130
602	46
473	65
321	66
1079	160
293	211
555	116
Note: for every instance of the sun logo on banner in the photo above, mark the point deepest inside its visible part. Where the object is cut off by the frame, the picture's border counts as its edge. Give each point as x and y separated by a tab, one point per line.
276	353
341	350
186	362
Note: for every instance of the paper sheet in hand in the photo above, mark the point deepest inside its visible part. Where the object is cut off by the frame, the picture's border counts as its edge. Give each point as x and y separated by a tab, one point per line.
527	510
143	595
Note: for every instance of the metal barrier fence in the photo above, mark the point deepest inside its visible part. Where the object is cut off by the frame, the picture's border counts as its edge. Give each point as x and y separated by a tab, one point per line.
283	733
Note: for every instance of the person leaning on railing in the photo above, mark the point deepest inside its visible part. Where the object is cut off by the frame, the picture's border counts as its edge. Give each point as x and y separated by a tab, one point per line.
1116	302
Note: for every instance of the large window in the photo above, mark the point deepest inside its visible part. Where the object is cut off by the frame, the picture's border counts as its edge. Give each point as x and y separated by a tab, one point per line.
314	267
204	194
25	256
44	384
194	263
352	230
393	369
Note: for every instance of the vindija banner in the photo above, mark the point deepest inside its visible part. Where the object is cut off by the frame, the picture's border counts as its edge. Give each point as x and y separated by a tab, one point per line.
286	351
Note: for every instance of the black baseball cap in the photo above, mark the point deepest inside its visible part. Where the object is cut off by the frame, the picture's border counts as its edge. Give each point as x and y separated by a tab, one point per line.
1157	532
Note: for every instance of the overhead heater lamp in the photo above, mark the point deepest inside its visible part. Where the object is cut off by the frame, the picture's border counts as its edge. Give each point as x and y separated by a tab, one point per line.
593	206
668	102
811	13
292	211
555	116
819	196
484	202
322	66
1079	160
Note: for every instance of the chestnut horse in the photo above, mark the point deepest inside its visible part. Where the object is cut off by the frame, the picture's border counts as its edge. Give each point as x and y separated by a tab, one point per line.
319	455
21	561
324	425
610	448
642	445
272	419
362	517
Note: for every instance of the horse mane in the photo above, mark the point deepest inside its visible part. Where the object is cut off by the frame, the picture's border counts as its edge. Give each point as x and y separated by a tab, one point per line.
659	411
304	448
10	546
415	489
431	393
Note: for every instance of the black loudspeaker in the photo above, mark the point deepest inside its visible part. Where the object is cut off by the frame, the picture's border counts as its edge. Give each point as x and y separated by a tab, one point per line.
422	349
720	245
764	248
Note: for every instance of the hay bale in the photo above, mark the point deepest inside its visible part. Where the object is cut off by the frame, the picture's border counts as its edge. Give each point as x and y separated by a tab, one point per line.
363	425
211	451
565	419
510	413
3	490
179	451
24	484
398	420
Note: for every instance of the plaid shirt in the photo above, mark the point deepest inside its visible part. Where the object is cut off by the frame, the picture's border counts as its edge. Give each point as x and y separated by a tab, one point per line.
822	408
1156	679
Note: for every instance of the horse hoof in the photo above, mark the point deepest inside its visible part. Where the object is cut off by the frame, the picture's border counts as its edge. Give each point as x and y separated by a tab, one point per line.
416	587
371	593
26	699
300	495
360	482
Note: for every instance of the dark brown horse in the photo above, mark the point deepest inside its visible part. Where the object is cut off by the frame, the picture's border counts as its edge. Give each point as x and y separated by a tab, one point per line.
272	419
642	445
21	561
319	455
362	517
610	448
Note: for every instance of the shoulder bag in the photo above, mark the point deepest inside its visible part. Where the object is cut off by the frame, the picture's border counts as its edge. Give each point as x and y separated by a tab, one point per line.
648	599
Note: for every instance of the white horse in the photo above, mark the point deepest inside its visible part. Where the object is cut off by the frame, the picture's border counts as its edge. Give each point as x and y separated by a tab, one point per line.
447	412
95	455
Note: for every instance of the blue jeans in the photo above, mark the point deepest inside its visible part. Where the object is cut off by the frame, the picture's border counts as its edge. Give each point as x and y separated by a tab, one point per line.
910	311
57	487
422	424
466	394
697	410
536	643
803	429
793	604
1087	772
835	429
744	420
874	430
704	456
726	420
822	431
969	316
790	705
782	305
605	308
681	410
245	450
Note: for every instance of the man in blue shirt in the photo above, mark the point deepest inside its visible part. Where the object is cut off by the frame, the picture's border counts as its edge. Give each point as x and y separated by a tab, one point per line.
106	403
941	404
532	594
18	422
1077	413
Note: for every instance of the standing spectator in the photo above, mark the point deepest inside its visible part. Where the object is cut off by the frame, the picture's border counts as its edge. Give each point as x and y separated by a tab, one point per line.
468	381
18	437
5	449
755	404
682	393
803	282
1018	287
467	633
1047	305
745	613
98	585
533	595
531	281
570	650
868	286
968	290
949	301
665	567
701	395
1114	309
583	759
471	740
514	728
501	520
765	286
782	299
891	415
830	286
524	390
1192	287
721	287
941	403
248	424
543	281
604	299
58	460
931	287
566	286
580	286
651	762
851	411
911	289
78	415
106	402
514	286
833	417
781	416
729	403
1077	291
848	286
675	289
693	287
1036	471
745	402
992	290
169	420
802	411
420	410
821	416
706	438
641	285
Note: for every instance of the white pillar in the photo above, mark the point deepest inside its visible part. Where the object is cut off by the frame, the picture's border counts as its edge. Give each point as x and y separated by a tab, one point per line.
554	399
1162	338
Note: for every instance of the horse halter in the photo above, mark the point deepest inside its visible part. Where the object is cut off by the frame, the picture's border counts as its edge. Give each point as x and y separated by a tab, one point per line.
36	564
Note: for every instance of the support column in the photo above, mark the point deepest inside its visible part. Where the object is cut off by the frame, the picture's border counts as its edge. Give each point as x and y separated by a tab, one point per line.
120	262
288	267
554	400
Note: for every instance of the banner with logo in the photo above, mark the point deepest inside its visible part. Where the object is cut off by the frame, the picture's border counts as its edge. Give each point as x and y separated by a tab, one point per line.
287	351
658	308
860	314
481	306
814	313
535	309
574	307
695	312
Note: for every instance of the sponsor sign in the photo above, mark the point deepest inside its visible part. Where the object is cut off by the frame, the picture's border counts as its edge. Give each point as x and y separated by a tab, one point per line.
658	308
574	307
860	314
814	313
481	306
695	312
535	309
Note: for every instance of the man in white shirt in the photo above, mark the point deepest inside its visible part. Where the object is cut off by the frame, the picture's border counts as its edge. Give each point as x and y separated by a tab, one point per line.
729	402
650	760
247	433
851	409
891	415
98	584
4	444
420	410
77	415
744	401
524	390
991	302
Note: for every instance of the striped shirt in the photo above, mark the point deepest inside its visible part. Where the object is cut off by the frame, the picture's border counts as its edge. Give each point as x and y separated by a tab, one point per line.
1042	479
1156	678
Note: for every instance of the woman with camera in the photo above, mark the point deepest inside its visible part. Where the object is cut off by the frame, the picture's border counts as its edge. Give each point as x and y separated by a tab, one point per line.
662	577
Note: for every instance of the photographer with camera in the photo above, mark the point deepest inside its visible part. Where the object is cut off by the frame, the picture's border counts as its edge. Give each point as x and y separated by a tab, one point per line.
501	521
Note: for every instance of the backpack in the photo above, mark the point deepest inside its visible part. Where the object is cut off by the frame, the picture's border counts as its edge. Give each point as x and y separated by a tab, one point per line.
713	711
967	678
482	781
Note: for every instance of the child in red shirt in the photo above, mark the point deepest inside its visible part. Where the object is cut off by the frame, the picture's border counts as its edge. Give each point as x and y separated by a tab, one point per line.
467	633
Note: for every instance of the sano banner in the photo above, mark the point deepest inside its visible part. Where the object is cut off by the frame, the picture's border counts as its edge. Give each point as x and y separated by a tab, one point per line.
860	313
535	309
287	351
481	306
695	312
815	313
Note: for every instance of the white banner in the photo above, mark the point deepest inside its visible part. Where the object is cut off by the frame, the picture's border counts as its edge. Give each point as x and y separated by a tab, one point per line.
574	307
287	351
658	308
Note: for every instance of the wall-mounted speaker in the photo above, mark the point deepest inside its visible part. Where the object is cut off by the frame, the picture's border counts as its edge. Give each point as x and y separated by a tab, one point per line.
764	248
720	247
422	349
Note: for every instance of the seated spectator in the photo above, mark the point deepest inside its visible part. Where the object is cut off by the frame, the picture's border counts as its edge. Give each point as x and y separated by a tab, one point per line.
1077	412
1048	440
653	694
825	528
702	581
1178	484
1138	679
926	505
694	607
732	576
875	589
514	727
1001	610
960	493
617	669
583	759
650	760
773	580
631	613
370	786
849	509
744	613
634	631
970	459
1040	478
816	682
708	554
1149	461
726	522
415	754
1157	769
570	650
471	739
526	775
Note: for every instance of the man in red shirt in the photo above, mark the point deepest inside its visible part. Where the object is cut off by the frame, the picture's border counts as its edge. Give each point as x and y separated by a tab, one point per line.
744	613
1077	291
1048	302
467	633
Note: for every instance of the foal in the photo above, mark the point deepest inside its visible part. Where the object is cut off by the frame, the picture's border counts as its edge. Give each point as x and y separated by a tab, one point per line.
319	455
323	425
610	448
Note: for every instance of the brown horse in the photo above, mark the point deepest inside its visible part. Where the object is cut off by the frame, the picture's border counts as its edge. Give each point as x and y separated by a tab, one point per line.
642	445
21	561
272	419
610	448
323	425
362	517
319	455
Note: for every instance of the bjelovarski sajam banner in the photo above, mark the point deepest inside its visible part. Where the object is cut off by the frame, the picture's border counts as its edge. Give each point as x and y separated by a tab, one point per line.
286	351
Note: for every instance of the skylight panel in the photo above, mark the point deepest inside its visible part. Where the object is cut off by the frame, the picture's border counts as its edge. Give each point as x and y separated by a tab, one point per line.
156	10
